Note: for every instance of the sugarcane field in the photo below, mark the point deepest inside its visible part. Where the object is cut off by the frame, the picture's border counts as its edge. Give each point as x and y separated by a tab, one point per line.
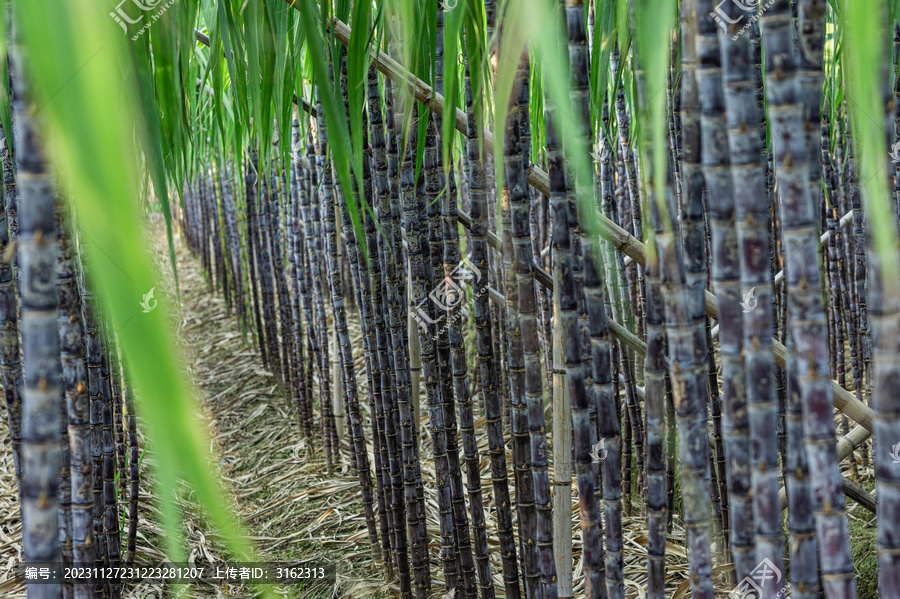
450	299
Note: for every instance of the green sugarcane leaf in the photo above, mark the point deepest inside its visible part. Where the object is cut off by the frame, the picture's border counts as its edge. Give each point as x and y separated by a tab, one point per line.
453	22
86	122
336	119
864	71
151	133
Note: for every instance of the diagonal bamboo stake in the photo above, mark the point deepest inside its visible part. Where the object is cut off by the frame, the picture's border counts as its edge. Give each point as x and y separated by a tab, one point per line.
538	178
845	447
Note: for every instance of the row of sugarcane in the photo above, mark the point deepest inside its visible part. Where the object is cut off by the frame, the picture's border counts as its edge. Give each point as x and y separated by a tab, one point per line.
633	346
71	417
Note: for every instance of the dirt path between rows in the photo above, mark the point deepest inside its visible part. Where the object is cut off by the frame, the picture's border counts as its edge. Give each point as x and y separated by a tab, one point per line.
292	510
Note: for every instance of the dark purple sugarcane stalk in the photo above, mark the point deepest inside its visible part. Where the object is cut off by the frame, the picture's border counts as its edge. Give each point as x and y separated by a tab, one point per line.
621	307
267	270
687	366
110	503
218	239
10	362
134	476
65	476
285	325
671	453
524	336
298	374
326	190
304	280
836	310
74	369
488	362
396	287
363	284
752	217
807	325
251	189
386	412
801	519
719	472
596	391
233	235
202	220
689	395
413	207
408	190
357	438
309	209
655	391
693	226
228	261
726	66
296	253
884	310
119	423
10	189
623	125
93	358
717	451
43	392
441	193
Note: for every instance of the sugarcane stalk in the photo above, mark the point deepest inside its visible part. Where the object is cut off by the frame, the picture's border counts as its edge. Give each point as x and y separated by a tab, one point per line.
807	327
43	390
74	369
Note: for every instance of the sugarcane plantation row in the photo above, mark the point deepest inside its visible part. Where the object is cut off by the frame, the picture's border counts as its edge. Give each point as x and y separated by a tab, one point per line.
553	299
